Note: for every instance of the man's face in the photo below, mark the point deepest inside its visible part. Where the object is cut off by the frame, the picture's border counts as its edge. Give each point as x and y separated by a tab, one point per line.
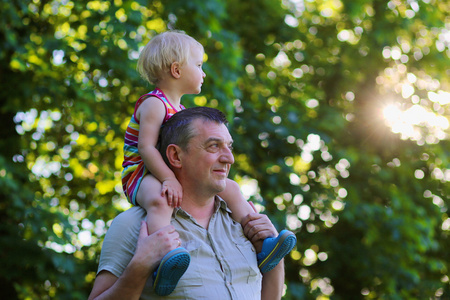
208	157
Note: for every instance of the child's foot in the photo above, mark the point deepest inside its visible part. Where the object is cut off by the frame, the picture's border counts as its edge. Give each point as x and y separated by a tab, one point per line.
274	249
172	267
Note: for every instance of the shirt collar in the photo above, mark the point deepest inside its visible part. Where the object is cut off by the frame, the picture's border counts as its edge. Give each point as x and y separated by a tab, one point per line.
219	204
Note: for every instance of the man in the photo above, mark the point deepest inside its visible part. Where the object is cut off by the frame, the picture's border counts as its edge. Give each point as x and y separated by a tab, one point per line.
196	144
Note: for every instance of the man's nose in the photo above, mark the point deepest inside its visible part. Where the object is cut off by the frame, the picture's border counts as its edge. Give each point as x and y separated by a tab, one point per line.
227	156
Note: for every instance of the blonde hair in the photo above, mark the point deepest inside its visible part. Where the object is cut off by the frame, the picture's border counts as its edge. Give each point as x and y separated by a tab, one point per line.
162	51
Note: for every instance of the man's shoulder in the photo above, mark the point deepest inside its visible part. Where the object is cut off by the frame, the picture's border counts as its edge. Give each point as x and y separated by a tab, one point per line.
132	217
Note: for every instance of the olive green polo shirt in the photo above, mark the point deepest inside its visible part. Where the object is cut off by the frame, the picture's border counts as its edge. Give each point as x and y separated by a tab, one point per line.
223	261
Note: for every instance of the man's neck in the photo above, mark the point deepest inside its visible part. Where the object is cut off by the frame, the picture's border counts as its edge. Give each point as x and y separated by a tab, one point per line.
201	211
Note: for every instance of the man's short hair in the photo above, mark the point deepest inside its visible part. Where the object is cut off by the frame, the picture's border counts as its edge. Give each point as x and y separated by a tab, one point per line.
178	129
162	51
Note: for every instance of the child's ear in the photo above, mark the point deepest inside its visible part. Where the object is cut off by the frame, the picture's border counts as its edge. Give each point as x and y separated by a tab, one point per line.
173	153
175	70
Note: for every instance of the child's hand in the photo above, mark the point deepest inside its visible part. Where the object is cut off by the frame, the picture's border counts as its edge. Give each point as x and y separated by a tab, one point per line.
174	192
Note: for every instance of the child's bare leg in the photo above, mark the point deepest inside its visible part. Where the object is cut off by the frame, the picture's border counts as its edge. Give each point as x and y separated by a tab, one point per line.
175	263
149	197
271	250
239	206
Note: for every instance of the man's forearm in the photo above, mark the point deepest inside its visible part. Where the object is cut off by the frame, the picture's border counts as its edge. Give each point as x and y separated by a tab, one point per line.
128	286
273	283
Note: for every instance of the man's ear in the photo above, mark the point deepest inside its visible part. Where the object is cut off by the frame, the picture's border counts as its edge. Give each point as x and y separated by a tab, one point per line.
175	70
173	153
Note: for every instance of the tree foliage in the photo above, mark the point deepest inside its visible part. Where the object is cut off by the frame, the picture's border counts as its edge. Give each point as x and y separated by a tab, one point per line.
339	111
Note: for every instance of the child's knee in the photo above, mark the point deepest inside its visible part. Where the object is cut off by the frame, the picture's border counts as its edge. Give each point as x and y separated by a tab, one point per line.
157	202
233	185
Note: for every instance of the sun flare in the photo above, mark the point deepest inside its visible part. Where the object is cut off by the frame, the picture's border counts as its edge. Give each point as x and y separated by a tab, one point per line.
417	123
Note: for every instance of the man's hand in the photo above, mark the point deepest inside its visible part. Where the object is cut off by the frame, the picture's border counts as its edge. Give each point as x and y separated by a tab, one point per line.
258	227
150	249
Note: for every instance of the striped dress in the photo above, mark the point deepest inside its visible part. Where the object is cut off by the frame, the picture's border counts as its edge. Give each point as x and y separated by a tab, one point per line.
133	165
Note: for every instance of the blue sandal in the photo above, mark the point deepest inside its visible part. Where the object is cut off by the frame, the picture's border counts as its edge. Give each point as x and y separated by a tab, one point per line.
172	267
274	249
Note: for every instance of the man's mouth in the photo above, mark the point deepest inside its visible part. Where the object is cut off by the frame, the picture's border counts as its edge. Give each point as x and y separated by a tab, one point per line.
223	172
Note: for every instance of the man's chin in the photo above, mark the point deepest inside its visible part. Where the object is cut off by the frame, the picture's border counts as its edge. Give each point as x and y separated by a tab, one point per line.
220	186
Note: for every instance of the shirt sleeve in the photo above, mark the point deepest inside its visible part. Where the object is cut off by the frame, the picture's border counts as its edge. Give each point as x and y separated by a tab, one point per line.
120	241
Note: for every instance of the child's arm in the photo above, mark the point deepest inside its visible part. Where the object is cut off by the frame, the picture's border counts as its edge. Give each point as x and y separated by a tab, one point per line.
151	114
232	195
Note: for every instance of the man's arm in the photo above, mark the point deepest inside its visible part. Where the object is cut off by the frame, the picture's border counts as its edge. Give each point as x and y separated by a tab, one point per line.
273	283
149	251
258	227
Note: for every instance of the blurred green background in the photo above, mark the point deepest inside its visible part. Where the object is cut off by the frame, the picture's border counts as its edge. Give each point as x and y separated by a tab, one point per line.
339	110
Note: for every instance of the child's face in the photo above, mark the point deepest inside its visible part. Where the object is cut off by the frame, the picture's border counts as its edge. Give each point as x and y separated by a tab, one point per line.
192	73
